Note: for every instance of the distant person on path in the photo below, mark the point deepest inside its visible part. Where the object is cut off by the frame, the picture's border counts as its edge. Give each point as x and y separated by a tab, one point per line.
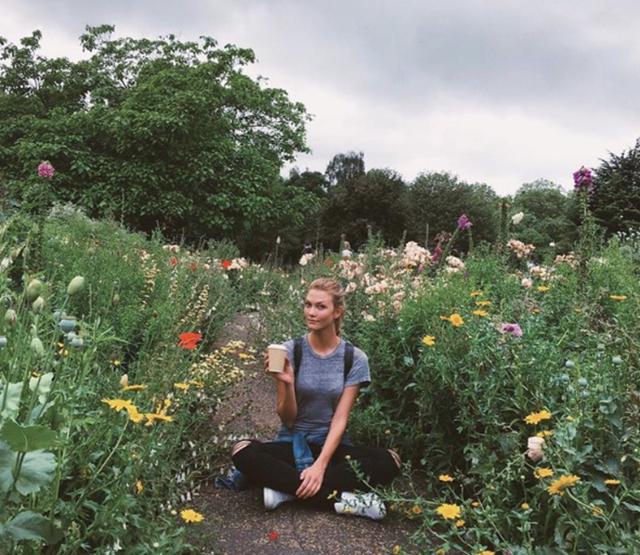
312	458
346	250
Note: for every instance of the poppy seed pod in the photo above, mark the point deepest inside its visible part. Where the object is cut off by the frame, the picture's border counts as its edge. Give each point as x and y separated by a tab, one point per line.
10	317
67	324
3	341
77	342
34	289
38	305
75	285
37	347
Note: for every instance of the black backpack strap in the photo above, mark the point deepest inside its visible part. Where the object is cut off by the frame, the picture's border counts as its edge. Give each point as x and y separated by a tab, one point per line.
348	359
297	355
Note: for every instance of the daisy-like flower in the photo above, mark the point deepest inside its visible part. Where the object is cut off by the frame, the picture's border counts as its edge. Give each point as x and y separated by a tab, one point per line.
139	487
181	385
189	515
448	511
122	404
416	510
480	313
525	506
543	288
537	417
596	511
446	478
545	433
476	293
455	319
429	340
486	552
151	417
541	473
618	297
483	303
562	483
460	523
134	387
612	482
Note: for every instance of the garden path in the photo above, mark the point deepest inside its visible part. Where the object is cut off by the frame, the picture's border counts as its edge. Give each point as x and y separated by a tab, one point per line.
236	523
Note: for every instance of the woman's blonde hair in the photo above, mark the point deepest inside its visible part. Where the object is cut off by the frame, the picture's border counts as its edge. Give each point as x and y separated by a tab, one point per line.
331	286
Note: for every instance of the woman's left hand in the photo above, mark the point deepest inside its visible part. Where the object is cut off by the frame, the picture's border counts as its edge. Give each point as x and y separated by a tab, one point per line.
312	478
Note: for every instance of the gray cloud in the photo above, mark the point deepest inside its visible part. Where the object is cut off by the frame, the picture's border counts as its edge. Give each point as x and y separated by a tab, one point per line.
500	92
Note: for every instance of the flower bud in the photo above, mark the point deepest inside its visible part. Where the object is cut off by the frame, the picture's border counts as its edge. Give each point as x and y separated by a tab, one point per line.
115	299
75	285
34	289
3	341
10	317
67	324
124	380
77	342
37	347
38	305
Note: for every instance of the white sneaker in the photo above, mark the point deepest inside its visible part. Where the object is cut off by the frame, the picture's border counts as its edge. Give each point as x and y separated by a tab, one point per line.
273	498
362	504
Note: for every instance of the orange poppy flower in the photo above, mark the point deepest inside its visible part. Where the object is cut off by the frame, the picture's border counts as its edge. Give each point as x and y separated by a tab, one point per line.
173	261
189	340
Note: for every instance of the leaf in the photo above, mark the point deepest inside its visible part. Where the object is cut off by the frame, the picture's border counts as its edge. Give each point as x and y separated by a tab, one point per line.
27	438
28	525
38	469
38	411
632	507
42	386
11	403
7	462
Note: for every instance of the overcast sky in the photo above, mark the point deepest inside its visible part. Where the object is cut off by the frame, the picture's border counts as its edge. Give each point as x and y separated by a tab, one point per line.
501	92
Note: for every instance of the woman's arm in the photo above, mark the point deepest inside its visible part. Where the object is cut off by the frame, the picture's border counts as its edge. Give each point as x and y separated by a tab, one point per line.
286	405
313	476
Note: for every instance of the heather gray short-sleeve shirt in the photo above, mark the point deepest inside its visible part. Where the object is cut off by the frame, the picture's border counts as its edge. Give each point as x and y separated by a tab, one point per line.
320	383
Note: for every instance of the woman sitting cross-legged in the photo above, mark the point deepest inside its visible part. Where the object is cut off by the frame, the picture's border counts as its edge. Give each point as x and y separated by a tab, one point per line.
311	458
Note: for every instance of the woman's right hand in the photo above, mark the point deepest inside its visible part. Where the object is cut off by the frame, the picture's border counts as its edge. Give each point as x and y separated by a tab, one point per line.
286	376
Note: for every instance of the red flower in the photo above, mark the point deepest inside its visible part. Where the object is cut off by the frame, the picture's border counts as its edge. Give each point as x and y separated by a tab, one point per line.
173	261
189	340
193	266
273	535
226	264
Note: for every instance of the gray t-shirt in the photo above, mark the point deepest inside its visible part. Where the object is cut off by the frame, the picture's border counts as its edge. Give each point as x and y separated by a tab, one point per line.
320	382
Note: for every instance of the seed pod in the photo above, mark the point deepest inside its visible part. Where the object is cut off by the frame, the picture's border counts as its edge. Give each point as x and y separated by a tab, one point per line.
67	324
37	347
116	298
38	305
3	341
34	289
10	317
77	342
75	285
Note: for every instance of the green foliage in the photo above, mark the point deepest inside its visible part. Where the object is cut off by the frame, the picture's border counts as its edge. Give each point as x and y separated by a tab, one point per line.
156	133
615	202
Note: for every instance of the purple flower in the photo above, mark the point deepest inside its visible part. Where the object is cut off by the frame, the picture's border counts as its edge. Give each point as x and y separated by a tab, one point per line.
512	329
582	179
45	169
464	223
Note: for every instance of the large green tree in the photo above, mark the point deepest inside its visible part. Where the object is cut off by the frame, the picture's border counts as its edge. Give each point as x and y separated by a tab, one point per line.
157	133
615	201
437	199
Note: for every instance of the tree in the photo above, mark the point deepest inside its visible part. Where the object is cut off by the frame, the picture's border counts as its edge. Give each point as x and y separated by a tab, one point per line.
439	198
157	133
547	217
344	168
615	201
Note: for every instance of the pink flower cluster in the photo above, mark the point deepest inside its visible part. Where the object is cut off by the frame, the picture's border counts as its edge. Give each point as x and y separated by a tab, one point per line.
511	328
582	179
45	169
464	222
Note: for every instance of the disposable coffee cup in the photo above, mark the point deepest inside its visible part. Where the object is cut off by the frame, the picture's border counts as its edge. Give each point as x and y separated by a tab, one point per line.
277	356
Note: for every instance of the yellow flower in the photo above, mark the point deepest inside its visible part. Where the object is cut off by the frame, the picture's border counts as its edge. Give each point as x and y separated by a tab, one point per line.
448	511
455	319
612	482
197	383
596	511
543	288
115	362
459	523
481	313
134	387
396	550
416	510
445	478
525	506
245	356
536	417
618	297
483	303
117	404
189	515
139	487
429	340
545	433
183	386
152	417
476	293
562	483
486	552
570	418
542	473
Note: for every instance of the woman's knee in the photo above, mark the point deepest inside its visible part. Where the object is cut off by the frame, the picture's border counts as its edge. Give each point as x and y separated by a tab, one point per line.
243	444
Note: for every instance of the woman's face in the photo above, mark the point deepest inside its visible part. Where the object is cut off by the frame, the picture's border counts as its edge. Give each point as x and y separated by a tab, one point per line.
319	311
